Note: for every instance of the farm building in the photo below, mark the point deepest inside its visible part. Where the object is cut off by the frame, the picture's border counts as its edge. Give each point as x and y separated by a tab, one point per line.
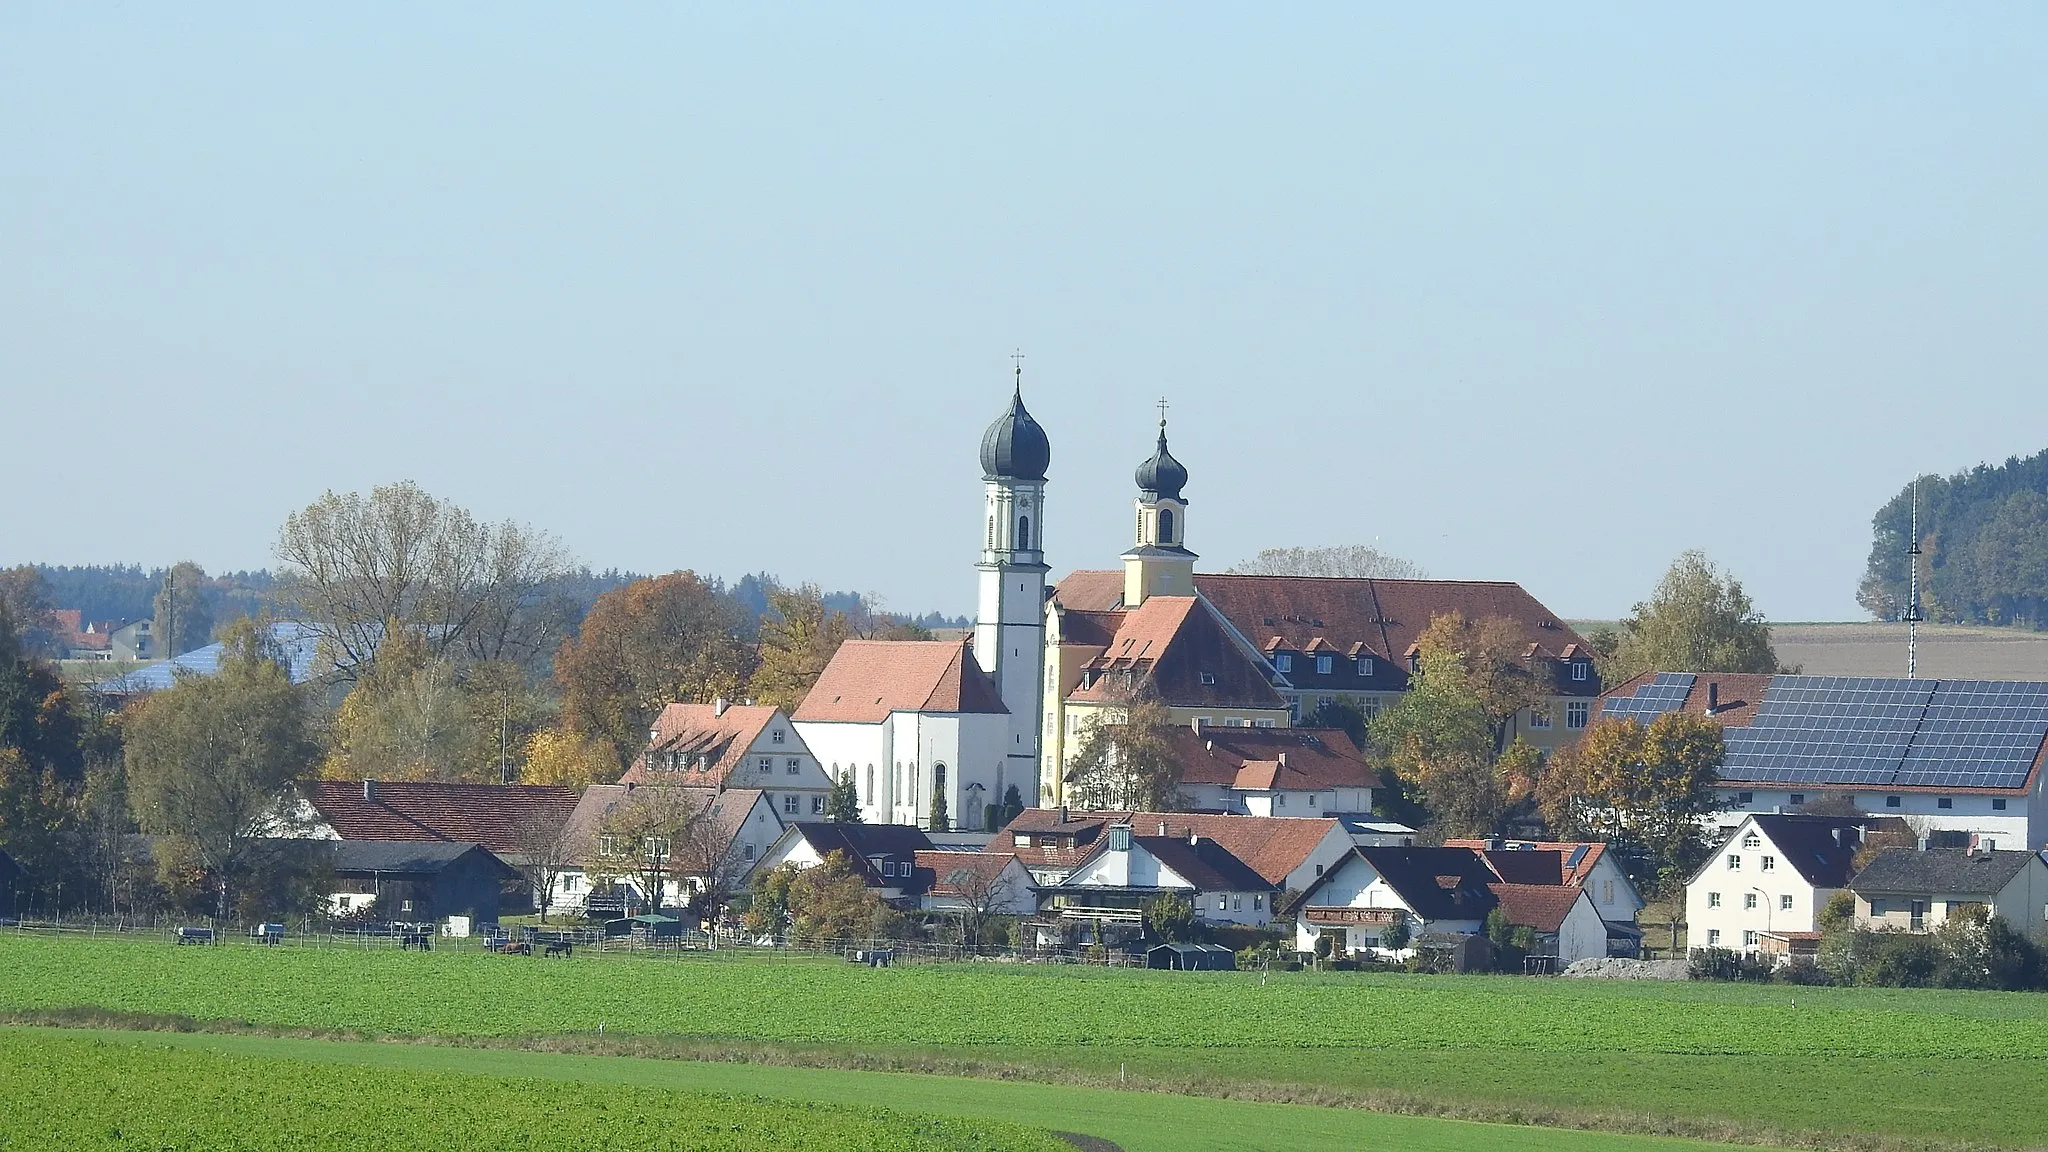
1918	889
1586	866
1957	756
741	825
1773	874
996	883
1390	899
419	881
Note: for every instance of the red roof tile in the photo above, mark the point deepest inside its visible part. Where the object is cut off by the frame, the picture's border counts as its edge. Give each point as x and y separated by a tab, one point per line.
1274	846
1176	647
496	816
1537	861
1539	906
869	679
706	744
1315	757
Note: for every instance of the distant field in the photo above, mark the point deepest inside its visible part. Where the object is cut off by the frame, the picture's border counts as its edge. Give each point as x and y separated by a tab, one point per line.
1869	649
1822	1067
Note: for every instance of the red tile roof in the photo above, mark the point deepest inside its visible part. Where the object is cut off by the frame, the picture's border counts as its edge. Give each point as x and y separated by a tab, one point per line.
1737	695
496	816
1539	906
938	872
729	810
1177	648
868	679
1274	846
706	744
1315	758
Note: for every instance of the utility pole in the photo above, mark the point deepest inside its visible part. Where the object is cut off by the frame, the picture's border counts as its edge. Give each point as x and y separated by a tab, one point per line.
504	731
1912	614
163	642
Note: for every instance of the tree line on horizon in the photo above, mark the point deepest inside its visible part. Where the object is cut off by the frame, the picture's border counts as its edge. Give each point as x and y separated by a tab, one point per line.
1983	538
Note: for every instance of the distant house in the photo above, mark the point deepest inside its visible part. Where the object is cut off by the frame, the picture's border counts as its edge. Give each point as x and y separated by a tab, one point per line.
298	642
134	640
1273	771
1113	885
995	883
910	721
1574	864
882	855
744	825
1425	890
721	745
1772	875
418	881
1288	852
1918	890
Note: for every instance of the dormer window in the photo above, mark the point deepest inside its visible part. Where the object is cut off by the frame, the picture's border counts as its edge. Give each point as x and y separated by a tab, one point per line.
1323	664
1208	677
1283	662
1581	670
1365	665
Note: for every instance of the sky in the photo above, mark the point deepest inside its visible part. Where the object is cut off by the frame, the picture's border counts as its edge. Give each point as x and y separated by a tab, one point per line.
1534	293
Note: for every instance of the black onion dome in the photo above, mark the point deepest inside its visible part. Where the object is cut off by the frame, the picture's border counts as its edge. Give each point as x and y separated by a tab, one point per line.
1015	447
1162	476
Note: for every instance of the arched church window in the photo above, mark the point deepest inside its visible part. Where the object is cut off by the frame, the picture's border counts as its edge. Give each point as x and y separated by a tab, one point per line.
871	784
1024	533
1166	525
939	777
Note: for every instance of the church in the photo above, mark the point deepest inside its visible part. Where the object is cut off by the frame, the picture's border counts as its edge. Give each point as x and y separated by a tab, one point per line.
954	727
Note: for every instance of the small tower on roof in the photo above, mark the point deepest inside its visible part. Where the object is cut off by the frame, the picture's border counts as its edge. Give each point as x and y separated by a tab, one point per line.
1009	619
1159	563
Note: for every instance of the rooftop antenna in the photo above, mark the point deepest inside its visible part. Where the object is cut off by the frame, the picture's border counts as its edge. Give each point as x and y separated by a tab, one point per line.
1912	615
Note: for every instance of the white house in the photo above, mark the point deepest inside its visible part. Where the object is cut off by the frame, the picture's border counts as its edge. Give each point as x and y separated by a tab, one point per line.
883	855
1919	889
1290	853
1446	891
910	721
721	745
744	818
1772	875
1127	871
1313	772
996	883
1577	864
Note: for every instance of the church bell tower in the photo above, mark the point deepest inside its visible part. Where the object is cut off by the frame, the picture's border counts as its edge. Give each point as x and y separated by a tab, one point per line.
1159	564
1009	622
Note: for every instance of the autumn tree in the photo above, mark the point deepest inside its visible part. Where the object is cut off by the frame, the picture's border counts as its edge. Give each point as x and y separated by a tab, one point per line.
827	901
1125	760
184	618
798	638
567	759
1697	620
353	566
42	755
1354	560
408	717
25	613
644	646
212	759
638	837
1489	656
1443	737
1648	787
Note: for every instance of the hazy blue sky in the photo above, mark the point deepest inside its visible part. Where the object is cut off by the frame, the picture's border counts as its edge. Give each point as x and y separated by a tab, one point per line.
1543	293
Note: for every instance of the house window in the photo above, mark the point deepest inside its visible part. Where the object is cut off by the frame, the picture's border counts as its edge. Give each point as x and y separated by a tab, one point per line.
1365	665
1713	899
1415	662
1283	662
750	851
1891	801
1749	901
1237	903
1877	907
1784	903
1311	799
1944	802
765	763
775	736
1607	891
1749	938
1205	721
1323	665
1734	862
790	804
1998	804
1713	937
1752	841
1767	863
1208	677
1580	670
1280	800
1575	714
1264	722
1324	701
1539	717
1797	798
817	805
1233	721
405	905
1319	869
1743	800
1258	901
794	766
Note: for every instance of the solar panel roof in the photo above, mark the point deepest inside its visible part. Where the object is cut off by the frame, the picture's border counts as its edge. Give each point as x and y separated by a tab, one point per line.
1664	694
1886	732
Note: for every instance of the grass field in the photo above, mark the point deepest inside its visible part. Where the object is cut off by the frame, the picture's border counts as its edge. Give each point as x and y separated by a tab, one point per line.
152	1095
1840	1067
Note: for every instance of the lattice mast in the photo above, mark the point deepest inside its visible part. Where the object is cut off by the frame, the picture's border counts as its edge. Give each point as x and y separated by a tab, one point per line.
1912	614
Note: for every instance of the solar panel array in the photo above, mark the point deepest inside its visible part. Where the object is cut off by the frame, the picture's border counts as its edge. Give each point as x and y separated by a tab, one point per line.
1856	730
1664	694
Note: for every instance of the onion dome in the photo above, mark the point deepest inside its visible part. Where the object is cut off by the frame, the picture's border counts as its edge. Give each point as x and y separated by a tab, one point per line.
1162	477
1015	447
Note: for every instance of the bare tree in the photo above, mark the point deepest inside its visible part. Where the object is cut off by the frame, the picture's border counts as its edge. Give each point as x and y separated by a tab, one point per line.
353	567
544	847
984	890
1356	560
706	859
638	838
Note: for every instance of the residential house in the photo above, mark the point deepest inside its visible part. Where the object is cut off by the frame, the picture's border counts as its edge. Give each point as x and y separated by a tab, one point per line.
1289	852
1773	874
910	722
298	643
884	856
1954	756
1273	771
738	826
721	745
1919	889
418	881
134	640
1111	887
1443	893
1575	864
993	883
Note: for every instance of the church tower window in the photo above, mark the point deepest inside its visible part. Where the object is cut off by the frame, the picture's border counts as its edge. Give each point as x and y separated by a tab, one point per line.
1166	525
1023	533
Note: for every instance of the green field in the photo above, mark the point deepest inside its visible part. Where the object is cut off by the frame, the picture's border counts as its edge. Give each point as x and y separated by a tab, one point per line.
1831	1067
78	1092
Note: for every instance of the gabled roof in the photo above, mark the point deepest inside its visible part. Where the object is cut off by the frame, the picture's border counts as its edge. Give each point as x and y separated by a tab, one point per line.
1204	863
942	872
497	816
408	858
708	743
1273	846
1822	849
729	810
1091	591
1951	871
1438	883
1542	907
1314	758
869	679
299	643
1178	649
1537	861
861	843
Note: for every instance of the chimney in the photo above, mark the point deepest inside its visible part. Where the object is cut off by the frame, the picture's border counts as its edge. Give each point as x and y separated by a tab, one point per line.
1283	759
719	706
1920	843
369	791
1063	813
1713	697
1208	745
1120	838
1193	838
1839	835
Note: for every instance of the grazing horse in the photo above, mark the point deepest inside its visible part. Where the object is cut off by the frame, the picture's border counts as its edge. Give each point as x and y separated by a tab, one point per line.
559	948
520	949
416	942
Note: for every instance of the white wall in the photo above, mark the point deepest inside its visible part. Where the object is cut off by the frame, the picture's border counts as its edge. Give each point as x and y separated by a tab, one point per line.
1583	934
2021	825
1613	896
1733	918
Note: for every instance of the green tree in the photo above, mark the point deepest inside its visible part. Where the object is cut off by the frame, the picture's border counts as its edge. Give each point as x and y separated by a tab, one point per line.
1648	787
941	819
1441	739
828	901
798	638
842	803
2012	559
1394	936
643	646
1697	620
212	760
1172	919
1013	807
42	759
1125	760
184	616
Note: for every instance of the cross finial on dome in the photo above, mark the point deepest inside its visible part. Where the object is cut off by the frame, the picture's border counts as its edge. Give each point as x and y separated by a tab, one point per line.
1018	358
1162	412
